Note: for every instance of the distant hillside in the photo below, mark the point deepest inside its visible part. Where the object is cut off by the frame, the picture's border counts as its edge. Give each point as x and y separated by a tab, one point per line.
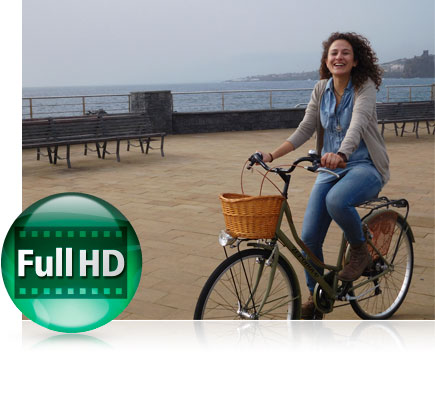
417	67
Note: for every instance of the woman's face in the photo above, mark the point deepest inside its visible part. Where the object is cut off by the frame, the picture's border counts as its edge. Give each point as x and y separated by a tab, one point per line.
340	59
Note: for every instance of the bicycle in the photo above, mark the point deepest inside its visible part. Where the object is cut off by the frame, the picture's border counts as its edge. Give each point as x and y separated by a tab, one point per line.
260	282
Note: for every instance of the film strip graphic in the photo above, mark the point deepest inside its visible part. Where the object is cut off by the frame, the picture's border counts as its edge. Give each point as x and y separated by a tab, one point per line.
71	263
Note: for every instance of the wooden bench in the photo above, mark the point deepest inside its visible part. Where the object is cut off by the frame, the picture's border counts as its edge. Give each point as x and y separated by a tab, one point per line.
52	133
404	112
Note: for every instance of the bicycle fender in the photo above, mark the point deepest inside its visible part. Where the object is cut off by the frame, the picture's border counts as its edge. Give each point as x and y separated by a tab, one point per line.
292	270
399	217
407	227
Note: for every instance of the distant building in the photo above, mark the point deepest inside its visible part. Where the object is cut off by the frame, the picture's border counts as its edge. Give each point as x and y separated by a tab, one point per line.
420	66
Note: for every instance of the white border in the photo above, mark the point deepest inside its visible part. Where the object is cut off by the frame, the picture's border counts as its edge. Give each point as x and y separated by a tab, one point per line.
165	359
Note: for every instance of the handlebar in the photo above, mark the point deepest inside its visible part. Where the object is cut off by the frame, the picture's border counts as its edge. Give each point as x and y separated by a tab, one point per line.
257	158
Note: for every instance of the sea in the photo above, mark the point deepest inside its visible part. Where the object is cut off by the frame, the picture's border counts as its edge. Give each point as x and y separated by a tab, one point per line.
248	96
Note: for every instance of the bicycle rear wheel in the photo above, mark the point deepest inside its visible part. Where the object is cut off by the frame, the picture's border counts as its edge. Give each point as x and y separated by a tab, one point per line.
381	298
231	291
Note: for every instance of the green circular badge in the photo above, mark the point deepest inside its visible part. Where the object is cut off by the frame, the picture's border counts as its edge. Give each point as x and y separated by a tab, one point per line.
71	262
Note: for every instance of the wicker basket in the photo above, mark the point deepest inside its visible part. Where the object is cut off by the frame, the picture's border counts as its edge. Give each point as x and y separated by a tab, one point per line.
251	217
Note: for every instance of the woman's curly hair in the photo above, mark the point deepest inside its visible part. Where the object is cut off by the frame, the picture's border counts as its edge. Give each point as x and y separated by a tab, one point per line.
366	67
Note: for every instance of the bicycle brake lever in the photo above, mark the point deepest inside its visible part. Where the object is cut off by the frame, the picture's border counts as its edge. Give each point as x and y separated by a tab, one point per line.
321	169
315	166
256	158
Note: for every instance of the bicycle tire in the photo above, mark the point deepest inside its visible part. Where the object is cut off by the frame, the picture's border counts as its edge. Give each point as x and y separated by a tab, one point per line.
226	293
384	301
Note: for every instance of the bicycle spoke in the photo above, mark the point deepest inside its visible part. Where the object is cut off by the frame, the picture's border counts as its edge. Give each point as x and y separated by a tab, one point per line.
249	288
223	298
235	286
283	304
241	287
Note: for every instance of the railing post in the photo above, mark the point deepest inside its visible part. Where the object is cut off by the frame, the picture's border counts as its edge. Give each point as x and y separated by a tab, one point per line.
410	93
432	92
270	99
388	94
31	108
223	102
84	106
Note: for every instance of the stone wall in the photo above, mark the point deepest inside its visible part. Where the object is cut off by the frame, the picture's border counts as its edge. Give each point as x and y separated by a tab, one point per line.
158	107
223	121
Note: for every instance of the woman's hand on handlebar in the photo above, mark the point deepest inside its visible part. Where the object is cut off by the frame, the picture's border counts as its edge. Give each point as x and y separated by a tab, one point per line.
266	156
282	150
332	161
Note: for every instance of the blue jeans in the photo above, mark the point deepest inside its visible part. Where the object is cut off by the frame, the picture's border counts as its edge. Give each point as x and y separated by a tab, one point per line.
335	200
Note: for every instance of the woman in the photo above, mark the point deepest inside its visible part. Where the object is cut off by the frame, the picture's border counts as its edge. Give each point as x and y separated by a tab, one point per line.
342	111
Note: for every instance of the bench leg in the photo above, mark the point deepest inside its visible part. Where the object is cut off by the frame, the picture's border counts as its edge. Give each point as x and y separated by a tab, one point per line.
104	150
403	128
97	147
38	151
395	128
416	128
56	154
134	145
382	131
68	156
148	145
117	150
53	160
86	149
161	146
49	155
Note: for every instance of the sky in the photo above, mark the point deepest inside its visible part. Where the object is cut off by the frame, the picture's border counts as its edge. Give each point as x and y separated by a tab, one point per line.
117	42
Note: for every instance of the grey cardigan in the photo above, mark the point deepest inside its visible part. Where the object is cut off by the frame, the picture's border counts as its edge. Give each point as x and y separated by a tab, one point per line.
363	125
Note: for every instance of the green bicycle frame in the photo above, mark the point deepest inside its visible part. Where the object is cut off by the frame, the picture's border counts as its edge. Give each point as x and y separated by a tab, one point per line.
304	261
329	289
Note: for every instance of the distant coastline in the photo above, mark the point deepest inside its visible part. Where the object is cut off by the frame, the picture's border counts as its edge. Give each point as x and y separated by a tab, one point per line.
417	67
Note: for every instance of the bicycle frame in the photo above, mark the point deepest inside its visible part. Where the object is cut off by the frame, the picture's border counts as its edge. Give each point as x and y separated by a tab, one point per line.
331	289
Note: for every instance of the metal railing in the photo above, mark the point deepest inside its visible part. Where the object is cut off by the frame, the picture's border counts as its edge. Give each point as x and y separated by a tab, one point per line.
35	107
409	90
227	94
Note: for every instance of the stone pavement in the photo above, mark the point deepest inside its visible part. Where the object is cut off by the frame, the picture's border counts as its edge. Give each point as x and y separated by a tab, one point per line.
173	205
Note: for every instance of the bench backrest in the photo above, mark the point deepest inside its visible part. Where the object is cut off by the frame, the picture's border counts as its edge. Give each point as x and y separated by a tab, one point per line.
77	128
125	124
36	131
418	110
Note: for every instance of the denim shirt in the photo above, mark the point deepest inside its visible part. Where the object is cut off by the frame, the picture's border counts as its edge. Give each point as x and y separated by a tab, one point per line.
336	122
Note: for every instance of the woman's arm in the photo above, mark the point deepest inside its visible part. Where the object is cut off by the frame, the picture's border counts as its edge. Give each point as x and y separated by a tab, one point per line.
305	129
282	150
363	111
309	123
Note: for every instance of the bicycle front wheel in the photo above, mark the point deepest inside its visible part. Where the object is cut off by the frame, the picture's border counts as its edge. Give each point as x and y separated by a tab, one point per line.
237	288
381	298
